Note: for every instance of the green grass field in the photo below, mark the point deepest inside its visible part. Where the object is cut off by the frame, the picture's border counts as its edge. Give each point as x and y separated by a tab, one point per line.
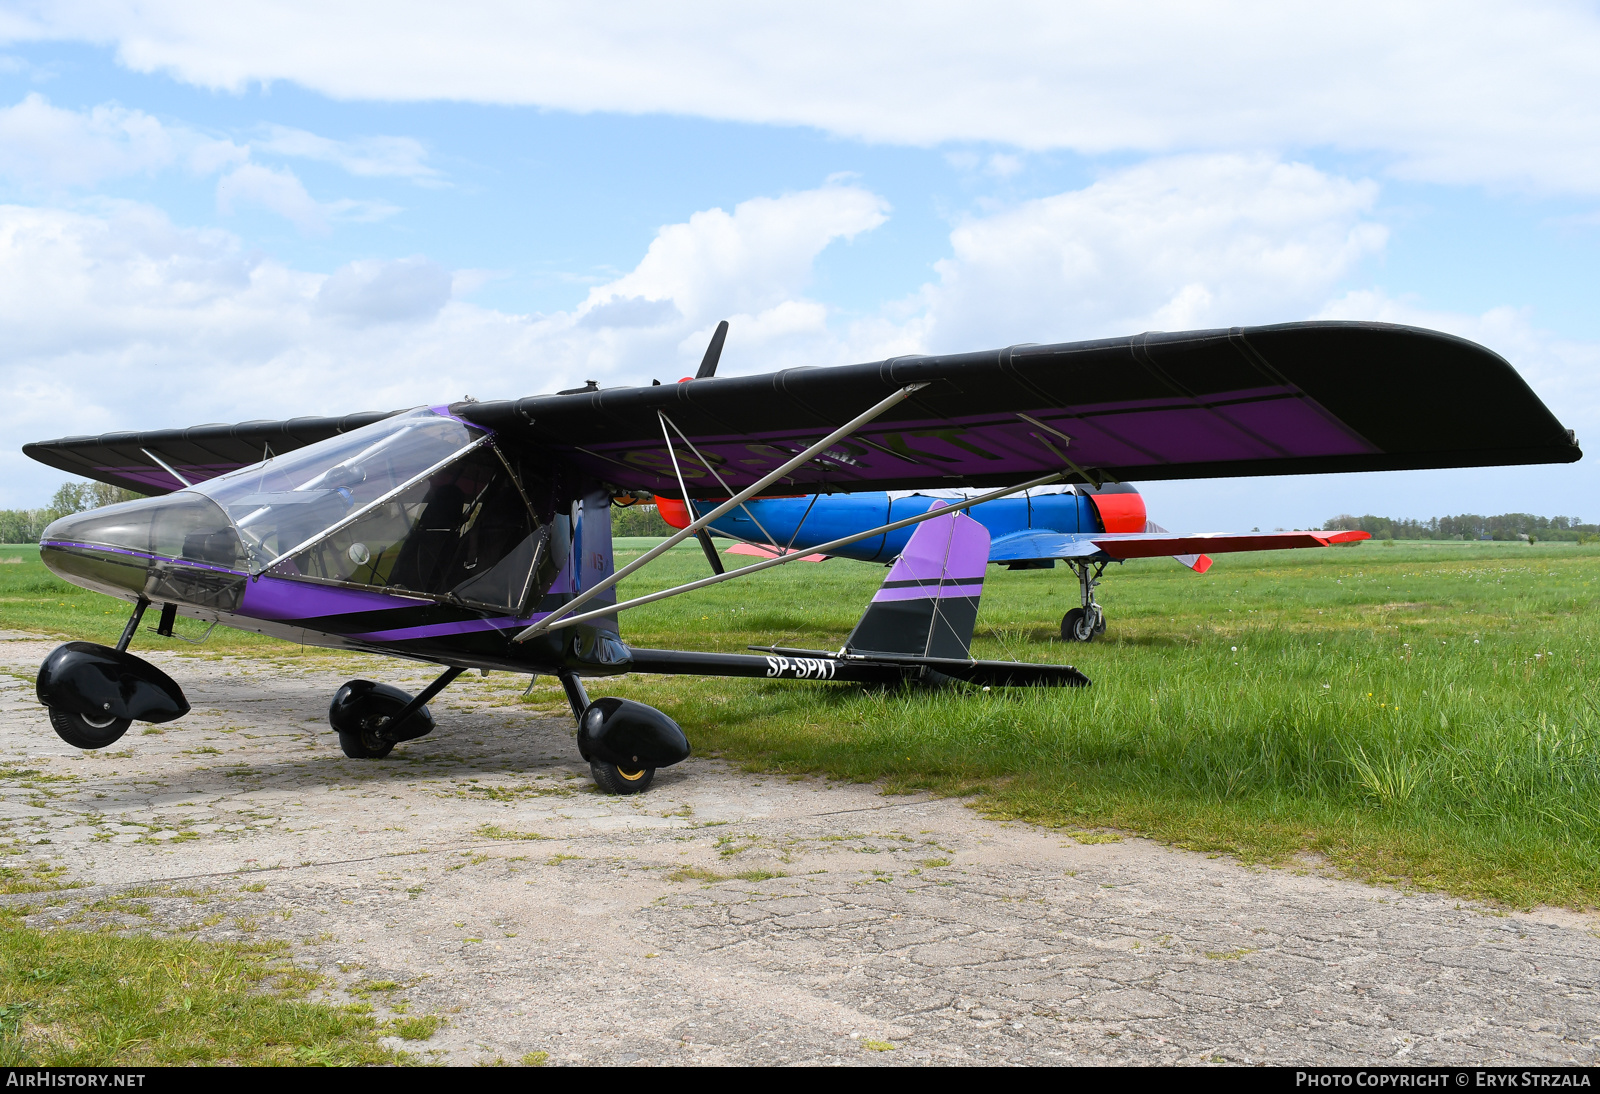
1425	712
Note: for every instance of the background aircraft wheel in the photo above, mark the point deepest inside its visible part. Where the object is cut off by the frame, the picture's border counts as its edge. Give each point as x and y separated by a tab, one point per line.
360	745
1077	626
616	780
81	732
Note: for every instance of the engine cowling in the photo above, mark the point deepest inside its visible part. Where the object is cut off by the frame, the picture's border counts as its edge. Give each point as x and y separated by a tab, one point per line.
1118	505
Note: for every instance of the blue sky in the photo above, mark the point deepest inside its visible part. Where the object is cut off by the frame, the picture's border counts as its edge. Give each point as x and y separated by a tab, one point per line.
322	208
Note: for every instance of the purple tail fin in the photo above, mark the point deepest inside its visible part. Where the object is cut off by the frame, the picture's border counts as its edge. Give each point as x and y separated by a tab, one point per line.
928	604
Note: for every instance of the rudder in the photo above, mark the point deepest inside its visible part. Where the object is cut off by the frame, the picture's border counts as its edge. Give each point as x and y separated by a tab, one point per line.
928	605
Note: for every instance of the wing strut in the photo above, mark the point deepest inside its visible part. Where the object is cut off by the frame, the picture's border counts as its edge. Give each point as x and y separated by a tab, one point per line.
738	499
550	622
167	467
704	538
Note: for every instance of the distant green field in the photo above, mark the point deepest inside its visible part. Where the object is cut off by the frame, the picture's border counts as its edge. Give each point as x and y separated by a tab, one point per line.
1419	711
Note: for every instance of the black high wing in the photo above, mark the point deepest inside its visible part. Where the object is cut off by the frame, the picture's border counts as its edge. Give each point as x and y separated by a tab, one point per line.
133	460
1295	398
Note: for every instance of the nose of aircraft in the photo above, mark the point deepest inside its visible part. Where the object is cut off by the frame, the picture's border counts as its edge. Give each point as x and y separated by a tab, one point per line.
180	548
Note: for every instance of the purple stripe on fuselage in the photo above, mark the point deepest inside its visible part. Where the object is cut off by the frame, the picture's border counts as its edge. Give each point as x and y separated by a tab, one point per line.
278	598
443	630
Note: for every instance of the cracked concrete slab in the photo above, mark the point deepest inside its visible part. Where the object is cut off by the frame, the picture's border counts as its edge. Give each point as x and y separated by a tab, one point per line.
729	918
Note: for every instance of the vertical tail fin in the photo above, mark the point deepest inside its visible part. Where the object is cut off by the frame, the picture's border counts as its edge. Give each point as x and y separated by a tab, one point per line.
928	604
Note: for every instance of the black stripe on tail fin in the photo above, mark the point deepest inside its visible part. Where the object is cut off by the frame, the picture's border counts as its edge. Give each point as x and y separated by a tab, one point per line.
928	604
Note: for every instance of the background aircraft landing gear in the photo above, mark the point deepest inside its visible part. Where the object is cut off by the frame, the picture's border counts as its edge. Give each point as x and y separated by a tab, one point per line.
1085	623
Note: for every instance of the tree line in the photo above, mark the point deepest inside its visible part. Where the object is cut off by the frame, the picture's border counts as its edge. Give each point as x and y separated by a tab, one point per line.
26	525
1467	526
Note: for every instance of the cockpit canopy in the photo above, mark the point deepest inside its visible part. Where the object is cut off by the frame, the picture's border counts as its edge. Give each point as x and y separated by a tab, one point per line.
419	503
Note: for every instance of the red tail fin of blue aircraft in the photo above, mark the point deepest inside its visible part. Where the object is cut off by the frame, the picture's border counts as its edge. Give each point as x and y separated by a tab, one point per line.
928	604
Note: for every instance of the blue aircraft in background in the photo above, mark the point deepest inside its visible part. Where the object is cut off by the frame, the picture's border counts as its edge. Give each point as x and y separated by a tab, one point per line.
1084	526
1088	526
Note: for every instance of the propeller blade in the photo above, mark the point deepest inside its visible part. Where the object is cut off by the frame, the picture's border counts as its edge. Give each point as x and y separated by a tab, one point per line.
708	364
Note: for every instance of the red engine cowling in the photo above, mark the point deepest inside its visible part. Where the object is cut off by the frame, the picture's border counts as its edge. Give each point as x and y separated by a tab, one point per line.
673	511
1119	507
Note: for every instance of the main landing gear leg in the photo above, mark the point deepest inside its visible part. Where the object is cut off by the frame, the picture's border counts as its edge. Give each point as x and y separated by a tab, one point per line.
1083	624
577	698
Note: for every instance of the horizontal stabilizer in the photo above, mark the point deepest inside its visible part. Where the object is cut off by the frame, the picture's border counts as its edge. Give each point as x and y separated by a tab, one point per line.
1024	546
1144	545
767	552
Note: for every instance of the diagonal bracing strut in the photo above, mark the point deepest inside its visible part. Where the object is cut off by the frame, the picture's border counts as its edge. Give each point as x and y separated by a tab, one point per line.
700	522
666	421
821	549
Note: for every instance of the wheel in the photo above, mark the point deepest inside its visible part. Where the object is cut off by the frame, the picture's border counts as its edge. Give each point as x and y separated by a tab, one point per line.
359	705
1099	621
81	732
616	780
1078	626
361	745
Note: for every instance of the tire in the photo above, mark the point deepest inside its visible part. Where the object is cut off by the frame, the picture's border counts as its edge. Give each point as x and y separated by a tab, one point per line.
364	746
1077	626
1099	621
80	732
612	779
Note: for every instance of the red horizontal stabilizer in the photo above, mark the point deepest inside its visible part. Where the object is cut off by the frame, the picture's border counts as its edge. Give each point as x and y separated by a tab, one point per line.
768	552
1145	545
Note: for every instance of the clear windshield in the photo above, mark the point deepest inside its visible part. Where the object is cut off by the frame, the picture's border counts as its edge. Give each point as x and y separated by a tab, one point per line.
464	533
279	504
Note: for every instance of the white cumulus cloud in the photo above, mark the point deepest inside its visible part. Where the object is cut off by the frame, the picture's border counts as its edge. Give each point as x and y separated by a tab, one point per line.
124	320
1456	91
46	145
280	191
1173	244
371	157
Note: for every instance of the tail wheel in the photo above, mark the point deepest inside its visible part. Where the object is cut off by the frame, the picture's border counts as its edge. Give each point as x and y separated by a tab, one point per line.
619	780
81	732
362	745
1079	626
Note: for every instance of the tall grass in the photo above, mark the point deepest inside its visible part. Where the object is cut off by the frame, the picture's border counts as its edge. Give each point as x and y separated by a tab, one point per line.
1425	711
